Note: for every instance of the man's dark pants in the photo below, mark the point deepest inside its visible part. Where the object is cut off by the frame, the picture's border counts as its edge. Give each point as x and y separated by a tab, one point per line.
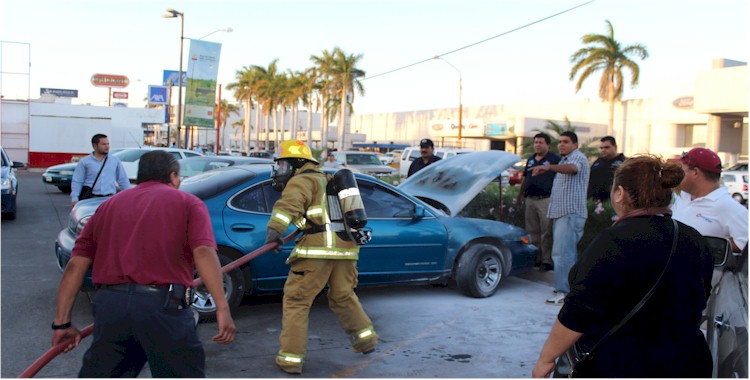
131	328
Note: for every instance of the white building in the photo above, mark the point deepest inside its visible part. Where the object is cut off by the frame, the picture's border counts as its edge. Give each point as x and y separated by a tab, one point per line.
50	130
710	111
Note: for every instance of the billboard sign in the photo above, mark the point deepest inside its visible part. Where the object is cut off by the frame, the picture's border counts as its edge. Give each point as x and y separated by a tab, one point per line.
119	95
59	92
171	76
200	91
157	95
109	80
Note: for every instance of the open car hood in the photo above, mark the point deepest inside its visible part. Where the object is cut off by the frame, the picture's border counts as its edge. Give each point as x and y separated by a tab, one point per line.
454	182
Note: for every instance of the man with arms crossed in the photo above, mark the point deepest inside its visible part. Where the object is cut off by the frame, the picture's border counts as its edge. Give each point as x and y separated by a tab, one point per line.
536	190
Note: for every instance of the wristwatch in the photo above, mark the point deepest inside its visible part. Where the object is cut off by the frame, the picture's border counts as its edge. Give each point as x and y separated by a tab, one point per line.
63	326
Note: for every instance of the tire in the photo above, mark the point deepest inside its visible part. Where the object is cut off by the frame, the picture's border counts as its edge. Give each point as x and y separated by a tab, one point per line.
234	290
480	270
11	215
65	189
738	197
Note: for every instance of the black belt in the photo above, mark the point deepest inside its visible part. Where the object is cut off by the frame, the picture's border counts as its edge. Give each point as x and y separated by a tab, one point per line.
137	288
176	296
537	196
101	196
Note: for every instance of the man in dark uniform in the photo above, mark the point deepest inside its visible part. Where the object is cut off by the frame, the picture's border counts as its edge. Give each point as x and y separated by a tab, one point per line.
142	261
603	169
426	151
536	190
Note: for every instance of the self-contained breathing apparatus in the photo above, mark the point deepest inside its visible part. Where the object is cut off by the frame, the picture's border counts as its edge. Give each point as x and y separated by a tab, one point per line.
345	208
344	203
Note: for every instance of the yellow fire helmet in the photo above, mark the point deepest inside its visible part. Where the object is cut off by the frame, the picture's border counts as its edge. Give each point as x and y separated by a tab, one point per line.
296	149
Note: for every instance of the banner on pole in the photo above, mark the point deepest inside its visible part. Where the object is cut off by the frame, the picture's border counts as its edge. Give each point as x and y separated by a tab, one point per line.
200	91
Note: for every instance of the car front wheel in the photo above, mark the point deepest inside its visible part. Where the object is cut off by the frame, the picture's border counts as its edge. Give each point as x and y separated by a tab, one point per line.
234	290
65	189
738	197
480	271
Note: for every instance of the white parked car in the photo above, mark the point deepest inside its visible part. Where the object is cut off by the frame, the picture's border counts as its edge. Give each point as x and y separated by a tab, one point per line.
130	157
412	153
736	183
389	158
364	162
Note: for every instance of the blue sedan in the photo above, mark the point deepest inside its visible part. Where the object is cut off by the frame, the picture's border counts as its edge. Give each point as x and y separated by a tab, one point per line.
414	241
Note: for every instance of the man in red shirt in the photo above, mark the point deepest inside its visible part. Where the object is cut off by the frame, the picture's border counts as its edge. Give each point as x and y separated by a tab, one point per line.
142	245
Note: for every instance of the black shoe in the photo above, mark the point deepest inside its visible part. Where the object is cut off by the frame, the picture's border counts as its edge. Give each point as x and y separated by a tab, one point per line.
546	267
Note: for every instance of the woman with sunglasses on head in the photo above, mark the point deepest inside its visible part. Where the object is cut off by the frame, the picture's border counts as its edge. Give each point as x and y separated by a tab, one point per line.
635	260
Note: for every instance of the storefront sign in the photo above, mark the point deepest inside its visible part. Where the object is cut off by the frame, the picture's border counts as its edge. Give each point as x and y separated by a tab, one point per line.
685	102
109	80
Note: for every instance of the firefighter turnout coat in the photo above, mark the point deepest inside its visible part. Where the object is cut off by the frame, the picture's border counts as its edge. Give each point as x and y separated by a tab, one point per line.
304	204
318	259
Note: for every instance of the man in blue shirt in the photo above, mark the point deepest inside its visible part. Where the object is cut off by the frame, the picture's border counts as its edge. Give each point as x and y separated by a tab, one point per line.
88	168
536	190
567	209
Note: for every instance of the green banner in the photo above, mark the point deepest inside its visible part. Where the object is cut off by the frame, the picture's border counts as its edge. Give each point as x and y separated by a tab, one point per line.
200	90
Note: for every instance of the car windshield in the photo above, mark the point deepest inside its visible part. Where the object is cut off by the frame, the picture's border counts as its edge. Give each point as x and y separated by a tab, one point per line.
130	155
362	159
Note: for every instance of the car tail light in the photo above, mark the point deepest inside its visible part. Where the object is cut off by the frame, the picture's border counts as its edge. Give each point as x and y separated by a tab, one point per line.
744	187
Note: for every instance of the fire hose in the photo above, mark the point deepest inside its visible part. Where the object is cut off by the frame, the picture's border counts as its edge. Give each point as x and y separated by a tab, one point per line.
56	350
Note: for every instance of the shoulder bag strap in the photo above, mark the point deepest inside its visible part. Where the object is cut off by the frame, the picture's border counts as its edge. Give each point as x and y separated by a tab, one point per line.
100	172
646	297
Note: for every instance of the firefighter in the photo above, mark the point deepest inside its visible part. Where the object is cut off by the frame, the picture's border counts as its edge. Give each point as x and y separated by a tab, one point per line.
320	257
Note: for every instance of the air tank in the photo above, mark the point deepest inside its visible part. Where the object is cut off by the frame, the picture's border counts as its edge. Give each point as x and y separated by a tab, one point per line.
346	188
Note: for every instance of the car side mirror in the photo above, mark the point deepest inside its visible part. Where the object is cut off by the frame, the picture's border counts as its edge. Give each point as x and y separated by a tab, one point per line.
17	164
419	212
720	249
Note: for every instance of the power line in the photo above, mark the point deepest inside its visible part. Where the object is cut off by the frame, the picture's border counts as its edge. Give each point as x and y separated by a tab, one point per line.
482	41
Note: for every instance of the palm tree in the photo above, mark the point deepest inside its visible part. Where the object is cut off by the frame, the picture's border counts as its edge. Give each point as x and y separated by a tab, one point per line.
245	90
323	68
554	130
226	110
346	81
267	89
296	92
604	53
310	82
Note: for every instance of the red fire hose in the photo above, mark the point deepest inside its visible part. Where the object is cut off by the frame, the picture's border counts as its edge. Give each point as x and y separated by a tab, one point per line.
52	353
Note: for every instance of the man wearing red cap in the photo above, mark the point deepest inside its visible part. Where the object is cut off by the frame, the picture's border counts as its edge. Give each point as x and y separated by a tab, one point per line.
704	205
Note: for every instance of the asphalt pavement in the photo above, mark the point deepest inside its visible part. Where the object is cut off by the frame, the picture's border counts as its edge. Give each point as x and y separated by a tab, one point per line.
425	331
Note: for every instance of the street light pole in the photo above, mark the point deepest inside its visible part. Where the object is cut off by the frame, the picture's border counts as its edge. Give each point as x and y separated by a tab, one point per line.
172	14
228	30
460	104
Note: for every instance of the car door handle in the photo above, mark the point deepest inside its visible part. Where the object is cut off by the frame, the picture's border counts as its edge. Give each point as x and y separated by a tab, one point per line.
242	227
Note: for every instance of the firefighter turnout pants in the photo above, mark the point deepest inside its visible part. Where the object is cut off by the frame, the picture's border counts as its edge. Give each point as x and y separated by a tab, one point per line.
307	277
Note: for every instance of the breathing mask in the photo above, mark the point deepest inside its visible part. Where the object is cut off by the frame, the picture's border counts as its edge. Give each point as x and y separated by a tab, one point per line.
283	170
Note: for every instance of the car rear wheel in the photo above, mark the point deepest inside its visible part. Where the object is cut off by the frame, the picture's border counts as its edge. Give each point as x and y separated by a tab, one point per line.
234	290
480	270
738	197
65	189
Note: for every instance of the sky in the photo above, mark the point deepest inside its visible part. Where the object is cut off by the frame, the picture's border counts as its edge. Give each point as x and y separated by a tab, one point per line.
68	41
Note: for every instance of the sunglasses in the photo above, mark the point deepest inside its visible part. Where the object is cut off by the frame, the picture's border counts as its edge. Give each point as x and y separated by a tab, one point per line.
686	156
